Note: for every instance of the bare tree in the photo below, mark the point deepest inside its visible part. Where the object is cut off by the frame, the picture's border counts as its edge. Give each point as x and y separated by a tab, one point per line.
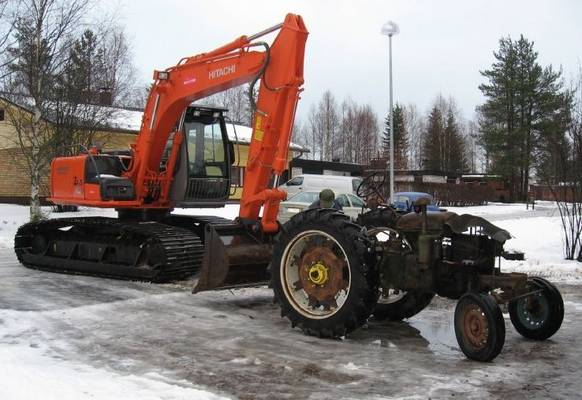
236	100
568	190
368	134
415	127
348	137
118	75
324	123
41	33
7	21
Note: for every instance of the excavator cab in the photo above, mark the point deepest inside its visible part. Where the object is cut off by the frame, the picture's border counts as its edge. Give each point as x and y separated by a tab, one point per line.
202	171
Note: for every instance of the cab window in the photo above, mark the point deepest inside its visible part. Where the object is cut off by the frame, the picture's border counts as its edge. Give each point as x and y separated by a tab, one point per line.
206	149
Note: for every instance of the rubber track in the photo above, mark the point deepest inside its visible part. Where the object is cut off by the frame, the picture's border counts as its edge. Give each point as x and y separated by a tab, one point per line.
182	249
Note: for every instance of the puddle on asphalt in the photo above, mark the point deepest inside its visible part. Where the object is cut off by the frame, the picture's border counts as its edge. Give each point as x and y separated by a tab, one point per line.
434	335
439	335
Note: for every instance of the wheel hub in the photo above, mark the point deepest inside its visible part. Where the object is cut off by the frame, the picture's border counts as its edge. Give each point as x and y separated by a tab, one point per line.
533	311
321	275
318	273
476	326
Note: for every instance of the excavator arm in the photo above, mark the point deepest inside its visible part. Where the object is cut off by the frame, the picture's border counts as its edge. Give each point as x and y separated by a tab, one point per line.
280	70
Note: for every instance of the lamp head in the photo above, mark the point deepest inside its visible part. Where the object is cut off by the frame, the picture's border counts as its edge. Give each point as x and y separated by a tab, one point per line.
390	28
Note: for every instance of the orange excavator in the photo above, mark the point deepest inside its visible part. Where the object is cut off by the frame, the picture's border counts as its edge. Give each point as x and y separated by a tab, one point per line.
182	158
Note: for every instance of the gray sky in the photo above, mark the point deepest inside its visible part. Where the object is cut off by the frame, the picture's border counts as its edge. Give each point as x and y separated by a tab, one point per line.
440	49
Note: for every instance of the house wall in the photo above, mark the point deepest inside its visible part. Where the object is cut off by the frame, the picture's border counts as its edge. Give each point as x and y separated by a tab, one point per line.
14	176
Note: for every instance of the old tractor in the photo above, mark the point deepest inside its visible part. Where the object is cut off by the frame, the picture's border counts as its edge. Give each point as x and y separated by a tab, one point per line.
331	274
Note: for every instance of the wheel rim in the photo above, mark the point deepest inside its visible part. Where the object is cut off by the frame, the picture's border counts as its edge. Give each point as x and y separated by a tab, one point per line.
393	296
533	311
475	326
315	274
390	240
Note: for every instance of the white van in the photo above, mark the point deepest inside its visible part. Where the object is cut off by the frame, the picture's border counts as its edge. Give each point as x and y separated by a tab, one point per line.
305	182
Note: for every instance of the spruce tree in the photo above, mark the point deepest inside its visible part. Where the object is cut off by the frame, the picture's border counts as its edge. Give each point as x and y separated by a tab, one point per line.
454	155
432	149
522	101
400	138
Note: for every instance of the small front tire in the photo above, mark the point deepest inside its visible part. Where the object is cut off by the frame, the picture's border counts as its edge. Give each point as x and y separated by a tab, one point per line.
479	326
540	315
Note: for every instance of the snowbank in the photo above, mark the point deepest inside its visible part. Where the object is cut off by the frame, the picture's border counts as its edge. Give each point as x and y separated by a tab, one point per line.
536	232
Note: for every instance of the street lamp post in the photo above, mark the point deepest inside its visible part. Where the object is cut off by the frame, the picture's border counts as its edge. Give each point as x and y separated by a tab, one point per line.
390	29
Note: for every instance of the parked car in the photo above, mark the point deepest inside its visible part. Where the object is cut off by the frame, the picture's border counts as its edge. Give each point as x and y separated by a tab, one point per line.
352	205
311	182
404	201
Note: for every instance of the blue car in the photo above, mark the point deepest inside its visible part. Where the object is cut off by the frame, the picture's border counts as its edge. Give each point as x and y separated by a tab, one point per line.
404	201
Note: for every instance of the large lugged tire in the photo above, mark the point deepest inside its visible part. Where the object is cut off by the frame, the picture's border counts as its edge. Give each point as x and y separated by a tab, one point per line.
479	326
403	305
322	273
538	316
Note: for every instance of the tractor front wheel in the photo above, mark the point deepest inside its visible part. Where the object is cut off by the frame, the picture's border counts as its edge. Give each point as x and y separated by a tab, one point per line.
479	326
538	316
322	273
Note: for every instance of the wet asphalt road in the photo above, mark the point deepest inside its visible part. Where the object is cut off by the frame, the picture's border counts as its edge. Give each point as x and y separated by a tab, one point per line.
234	343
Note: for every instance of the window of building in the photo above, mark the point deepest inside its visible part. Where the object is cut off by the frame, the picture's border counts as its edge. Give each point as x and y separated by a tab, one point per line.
1	114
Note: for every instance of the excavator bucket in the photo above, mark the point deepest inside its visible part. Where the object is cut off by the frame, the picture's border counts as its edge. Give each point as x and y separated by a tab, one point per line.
233	257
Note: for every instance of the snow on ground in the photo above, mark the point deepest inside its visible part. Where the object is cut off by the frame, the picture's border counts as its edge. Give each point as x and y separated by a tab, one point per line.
12	216
66	380
536	232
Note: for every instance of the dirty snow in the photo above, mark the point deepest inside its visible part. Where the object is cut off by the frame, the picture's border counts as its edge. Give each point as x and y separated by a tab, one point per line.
75	337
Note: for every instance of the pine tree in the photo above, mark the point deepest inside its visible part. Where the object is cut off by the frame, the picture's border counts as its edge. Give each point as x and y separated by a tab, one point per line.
454	157
432	148
522	100
400	138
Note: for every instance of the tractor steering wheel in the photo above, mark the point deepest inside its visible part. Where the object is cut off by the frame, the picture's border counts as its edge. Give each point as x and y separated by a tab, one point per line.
370	186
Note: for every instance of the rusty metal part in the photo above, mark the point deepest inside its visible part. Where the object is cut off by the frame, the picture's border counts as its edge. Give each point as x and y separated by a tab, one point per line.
512	285
462	223
414	221
322	258
475	326
233	257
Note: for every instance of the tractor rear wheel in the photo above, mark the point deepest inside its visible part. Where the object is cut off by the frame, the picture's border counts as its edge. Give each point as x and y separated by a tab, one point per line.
402	305
479	326
539	315
322	273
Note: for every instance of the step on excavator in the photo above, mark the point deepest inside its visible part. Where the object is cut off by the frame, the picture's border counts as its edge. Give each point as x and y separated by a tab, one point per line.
329	273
